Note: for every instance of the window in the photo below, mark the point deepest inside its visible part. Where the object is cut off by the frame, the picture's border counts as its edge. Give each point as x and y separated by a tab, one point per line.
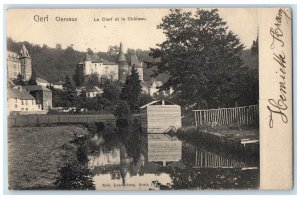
16	106
22	109
22	102
26	109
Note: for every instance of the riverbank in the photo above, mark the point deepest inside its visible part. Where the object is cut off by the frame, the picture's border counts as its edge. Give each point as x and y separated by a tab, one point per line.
35	155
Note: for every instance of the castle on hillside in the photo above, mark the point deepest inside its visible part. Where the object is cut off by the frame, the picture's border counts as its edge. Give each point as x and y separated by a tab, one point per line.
118	70
19	64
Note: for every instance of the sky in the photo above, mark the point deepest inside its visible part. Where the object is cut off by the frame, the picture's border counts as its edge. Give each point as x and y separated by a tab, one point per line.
87	32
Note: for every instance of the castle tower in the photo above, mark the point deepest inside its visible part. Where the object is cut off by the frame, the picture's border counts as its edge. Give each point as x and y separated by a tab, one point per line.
26	68
134	62
123	65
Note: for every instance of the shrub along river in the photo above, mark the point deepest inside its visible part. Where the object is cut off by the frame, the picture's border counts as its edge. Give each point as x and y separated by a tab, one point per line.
132	160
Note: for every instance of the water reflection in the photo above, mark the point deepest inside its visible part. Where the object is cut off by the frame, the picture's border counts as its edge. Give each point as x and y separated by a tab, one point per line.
159	161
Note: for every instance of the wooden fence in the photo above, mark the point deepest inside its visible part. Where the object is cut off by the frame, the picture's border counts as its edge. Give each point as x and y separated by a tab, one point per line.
246	115
210	160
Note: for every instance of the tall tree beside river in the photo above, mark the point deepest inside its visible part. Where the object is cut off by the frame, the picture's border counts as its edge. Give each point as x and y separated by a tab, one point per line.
132	89
201	56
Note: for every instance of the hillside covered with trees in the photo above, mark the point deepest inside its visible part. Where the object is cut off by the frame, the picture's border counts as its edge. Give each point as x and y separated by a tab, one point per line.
53	64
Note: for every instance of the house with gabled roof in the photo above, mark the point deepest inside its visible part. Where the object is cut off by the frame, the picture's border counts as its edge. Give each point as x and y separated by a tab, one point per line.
20	100
41	94
42	82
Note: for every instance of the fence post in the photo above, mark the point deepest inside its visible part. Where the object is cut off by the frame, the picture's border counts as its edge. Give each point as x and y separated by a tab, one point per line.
196	118
200	115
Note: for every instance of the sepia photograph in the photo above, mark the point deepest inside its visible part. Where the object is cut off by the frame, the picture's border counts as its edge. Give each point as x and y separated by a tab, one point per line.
134	99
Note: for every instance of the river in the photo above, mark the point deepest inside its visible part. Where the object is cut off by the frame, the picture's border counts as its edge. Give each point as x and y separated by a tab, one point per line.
160	161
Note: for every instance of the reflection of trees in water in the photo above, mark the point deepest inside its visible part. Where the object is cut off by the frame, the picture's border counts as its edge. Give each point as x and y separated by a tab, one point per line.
130	148
132	143
183	177
212	178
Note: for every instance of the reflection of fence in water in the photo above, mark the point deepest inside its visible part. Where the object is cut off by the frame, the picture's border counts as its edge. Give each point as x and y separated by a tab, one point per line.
37	120
224	116
209	160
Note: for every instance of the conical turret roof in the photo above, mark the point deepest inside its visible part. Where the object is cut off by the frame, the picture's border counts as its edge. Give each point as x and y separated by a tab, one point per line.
134	61
24	51
121	57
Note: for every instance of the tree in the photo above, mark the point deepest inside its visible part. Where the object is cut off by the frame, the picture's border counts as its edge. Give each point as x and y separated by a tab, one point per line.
254	47
19	80
74	173
132	89
111	92
78	77
144	99
247	87
123	116
93	80
89	51
113	51
32	80
58	47
200	56
69	96
82	101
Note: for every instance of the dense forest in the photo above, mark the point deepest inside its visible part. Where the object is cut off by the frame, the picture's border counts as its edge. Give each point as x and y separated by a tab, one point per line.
53	64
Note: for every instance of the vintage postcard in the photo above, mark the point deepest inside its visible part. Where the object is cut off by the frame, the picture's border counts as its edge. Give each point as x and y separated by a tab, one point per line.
149	98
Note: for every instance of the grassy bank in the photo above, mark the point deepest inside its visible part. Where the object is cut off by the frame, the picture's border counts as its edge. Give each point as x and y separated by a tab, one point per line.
35	155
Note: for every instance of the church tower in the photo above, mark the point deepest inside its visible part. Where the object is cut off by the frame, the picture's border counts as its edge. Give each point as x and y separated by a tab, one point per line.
25	59
123	65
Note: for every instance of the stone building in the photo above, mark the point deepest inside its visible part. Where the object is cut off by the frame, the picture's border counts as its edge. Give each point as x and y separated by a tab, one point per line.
41	94
118	70
19	64
93	64
19	100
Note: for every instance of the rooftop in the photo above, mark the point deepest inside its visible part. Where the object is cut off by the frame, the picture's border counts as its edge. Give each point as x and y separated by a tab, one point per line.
41	80
19	94
159	102
35	88
90	57
94	58
134	61
24	51
121	57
